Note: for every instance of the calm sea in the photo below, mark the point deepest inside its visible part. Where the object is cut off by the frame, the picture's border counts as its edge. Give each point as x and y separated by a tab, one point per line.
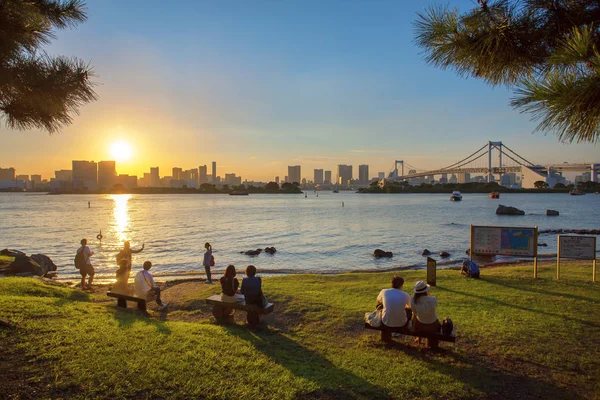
314	234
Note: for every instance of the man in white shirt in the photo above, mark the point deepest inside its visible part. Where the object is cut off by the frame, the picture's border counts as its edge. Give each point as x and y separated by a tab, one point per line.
396	306
145	286
87	269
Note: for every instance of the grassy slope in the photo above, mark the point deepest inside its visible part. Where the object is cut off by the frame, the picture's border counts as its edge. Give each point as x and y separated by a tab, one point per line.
517	338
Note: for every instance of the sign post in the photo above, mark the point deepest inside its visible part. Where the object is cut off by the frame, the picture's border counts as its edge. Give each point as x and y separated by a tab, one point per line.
431	271
506	241
578	248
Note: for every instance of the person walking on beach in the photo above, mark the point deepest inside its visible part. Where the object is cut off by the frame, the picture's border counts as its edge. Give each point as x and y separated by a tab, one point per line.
145	287
86	268
208	261
126	254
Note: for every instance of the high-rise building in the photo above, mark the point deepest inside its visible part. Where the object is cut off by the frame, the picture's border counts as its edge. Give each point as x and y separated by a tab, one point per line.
277	180
176	175
36	179
294	174
154	177
107	174
363	174
127	181
318	176
7	174
214	172
327	179
344	174
381	175
24	178
286	179
232	180
64	175
85	175
202	175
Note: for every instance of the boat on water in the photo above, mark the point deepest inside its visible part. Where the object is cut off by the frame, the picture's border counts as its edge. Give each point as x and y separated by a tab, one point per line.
576	192
494	195
335	191
238	193
456	196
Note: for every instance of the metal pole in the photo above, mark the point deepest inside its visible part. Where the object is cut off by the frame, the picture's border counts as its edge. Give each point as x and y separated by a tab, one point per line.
500	162
558	260
535	268
594	272
489	162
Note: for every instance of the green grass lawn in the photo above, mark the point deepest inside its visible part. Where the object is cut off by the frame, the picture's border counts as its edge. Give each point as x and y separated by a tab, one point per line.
517	338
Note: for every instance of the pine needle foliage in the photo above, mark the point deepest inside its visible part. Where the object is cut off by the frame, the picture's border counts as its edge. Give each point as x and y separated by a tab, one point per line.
546	50
36	89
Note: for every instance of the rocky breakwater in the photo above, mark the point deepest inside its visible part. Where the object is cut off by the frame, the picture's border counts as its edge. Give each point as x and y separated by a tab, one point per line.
22	265
575	231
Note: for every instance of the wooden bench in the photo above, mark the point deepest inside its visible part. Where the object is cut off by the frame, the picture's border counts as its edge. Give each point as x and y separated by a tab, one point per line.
223	310
123	298
386	334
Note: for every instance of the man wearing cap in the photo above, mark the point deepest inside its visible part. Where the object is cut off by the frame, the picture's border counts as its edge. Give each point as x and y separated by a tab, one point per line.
396	307
423	307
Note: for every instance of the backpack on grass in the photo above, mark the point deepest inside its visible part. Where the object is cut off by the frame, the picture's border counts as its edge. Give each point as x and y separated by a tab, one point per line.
470	269
447	327
80	260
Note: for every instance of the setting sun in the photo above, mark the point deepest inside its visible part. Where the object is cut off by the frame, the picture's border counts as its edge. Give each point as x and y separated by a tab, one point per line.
120	151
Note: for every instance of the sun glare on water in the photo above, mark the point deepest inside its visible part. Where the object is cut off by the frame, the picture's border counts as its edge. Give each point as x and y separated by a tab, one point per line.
120	151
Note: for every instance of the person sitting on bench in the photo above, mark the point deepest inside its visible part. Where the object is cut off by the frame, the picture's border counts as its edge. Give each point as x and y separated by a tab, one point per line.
230	285
396	305
145	287
252	287
120	285
424	316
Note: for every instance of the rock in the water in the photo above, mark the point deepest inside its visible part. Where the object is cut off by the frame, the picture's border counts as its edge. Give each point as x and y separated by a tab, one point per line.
552	213
444	254
425	252
378	253
253	252
542	244
45	262
507	210
11	253
24	265
270	250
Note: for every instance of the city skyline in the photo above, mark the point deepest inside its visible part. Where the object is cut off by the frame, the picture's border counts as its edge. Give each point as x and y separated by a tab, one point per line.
351	89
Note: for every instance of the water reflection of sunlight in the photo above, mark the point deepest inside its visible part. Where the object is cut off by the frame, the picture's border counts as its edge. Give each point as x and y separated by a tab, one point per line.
121	215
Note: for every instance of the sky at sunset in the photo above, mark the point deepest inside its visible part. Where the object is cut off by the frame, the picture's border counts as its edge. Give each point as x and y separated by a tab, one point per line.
260	85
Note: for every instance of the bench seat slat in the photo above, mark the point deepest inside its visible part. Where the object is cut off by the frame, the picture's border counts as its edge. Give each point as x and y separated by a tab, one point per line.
404	331
125	296
215	300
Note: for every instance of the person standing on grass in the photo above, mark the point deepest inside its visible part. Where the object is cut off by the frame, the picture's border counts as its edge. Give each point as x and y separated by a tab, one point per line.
145	287
86	269
208	261
395	305
424	315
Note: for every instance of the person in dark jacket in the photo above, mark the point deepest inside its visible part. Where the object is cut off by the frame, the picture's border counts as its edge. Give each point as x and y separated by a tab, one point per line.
229	285
252	287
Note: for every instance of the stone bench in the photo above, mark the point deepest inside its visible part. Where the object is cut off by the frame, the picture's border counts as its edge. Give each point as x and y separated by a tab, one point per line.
386	334
123	298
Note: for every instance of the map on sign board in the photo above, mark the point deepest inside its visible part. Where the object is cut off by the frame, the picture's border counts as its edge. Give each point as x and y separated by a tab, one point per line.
578	247
498	240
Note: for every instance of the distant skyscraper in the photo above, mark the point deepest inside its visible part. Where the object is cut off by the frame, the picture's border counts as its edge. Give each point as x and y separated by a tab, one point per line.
36	179
318	176
344	174
7	174
232	180
203	175
381	175
463	178
154	177
107	174
85	174
64	175
277	179
285	179
176	175
24	178
363	174
327	179
294	173
214	172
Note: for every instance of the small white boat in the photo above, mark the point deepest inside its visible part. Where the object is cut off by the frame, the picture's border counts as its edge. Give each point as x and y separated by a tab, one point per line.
456	196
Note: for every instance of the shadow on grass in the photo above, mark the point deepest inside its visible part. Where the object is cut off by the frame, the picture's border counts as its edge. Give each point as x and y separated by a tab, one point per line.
126	317
74	295
495	381
501	282
517	307
333	382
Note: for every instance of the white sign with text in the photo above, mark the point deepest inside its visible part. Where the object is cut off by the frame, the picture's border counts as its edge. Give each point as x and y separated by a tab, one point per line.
577	247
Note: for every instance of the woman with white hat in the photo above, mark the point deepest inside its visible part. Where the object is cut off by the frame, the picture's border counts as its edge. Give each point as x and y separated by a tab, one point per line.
423	306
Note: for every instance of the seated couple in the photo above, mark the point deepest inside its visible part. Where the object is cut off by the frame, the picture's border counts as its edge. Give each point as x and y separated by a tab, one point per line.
144	283
397	308
251	290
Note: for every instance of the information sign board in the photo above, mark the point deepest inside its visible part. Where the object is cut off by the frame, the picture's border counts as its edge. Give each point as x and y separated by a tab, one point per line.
506	241
577	247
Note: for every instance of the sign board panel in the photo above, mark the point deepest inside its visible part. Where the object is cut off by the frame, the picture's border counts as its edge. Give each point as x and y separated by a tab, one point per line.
431	271
506	241
577	247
